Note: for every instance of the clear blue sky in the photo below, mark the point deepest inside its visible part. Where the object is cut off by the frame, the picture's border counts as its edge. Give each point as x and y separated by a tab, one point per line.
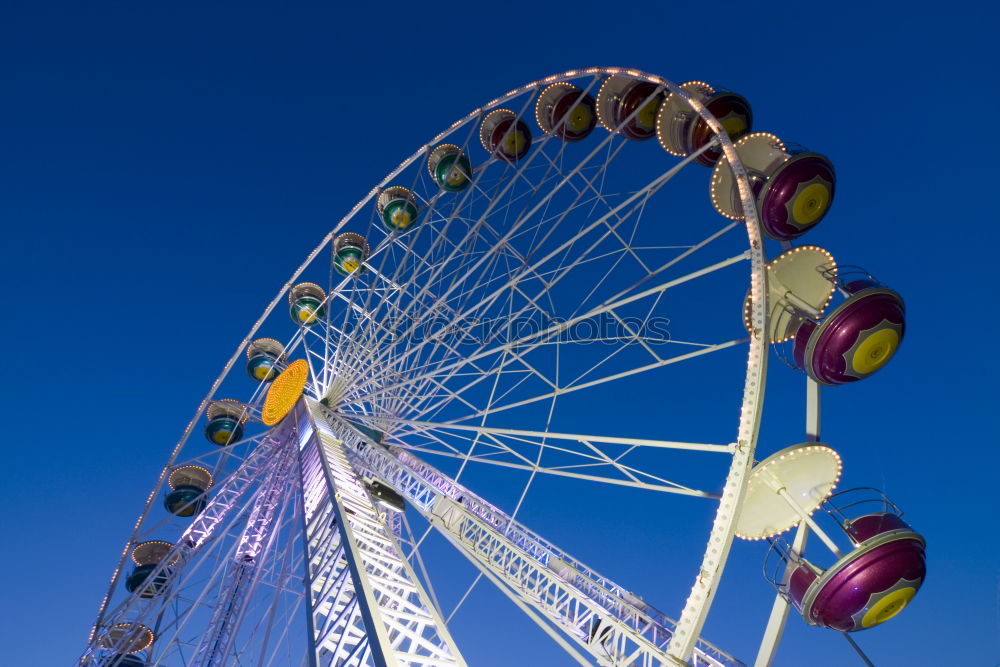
165	166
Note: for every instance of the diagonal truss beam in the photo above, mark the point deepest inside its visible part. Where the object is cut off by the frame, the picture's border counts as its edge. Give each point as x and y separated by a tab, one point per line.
229	500
365	599
245	568
611	624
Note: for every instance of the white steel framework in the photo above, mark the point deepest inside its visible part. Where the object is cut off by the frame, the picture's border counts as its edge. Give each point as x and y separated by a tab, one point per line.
612	624
484	338
380	610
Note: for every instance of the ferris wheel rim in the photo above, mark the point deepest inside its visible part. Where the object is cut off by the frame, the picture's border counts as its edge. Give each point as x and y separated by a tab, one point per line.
741	450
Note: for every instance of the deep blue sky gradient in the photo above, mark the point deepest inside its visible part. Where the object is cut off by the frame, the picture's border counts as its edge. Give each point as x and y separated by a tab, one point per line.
165	166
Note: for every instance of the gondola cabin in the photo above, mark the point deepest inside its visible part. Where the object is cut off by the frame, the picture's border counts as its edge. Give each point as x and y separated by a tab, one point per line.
147	556
792	188
226	418
350	252
397	209
306	304
682	131
450	168
264	359
505	135
188	485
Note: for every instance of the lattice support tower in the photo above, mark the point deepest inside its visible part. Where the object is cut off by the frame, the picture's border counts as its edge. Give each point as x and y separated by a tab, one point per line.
365	601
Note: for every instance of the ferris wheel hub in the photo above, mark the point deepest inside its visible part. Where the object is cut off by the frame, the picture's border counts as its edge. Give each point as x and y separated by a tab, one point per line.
284	392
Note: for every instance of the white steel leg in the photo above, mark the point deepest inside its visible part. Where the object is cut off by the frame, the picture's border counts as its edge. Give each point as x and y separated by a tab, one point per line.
610	623
365	596
779	611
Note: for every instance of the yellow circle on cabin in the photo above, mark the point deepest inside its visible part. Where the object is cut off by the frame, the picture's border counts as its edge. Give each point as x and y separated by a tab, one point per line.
875	350
579	118
810	204
887	607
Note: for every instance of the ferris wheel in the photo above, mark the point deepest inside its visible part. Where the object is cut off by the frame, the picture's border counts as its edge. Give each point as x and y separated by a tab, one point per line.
502	311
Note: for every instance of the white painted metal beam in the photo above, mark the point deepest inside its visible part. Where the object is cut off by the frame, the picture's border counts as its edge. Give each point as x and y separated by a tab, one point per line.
611	624
365	598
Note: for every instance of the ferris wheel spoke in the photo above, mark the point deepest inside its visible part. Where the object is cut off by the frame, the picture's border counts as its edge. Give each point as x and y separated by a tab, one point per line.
315	360
449	395
419	395
633	334
621	300
629	476
608	307
522	219
599	197
523	268
522	261
640	195
389	368
401	290
385	300
645	192
442	305
592	457
474	231
383	252
533	571
573	437
440	340
398	316
217	514
483	341
414	555
691	250
703	349
345	321
619	258
615	376
503	363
